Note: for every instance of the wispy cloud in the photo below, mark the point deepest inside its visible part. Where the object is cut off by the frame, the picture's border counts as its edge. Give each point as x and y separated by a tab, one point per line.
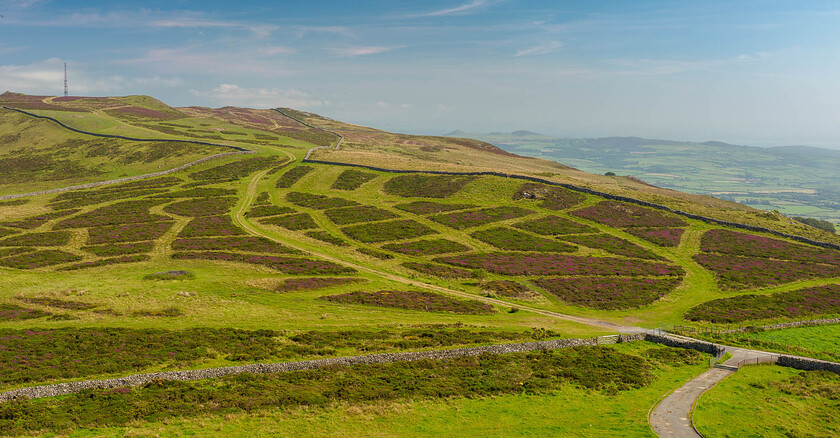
232	94
360	51
542	49
301	31
193	60
457	10
47	77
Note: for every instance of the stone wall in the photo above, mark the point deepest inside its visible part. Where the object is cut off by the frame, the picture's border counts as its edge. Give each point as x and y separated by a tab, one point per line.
782	325
141	379
808	364
701	346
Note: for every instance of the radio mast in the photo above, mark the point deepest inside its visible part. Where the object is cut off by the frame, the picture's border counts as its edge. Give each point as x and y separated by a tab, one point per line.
65	79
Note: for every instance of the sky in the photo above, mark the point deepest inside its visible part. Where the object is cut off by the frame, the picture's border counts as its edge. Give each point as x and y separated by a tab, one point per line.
749	72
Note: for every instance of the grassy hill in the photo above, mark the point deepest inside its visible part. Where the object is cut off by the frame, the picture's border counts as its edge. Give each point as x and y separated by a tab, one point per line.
795	180
264	257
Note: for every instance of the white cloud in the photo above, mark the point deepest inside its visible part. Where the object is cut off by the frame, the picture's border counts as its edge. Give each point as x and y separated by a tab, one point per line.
47	77
360	51
159	82
457	10
234	95
542	49
188	60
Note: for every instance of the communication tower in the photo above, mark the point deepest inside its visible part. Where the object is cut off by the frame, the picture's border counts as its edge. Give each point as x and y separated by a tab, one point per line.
65	79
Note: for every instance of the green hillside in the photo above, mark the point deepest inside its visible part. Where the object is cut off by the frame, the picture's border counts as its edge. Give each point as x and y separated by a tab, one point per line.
265	258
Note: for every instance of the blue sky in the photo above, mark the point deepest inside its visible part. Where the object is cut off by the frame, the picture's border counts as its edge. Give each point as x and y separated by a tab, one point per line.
746	72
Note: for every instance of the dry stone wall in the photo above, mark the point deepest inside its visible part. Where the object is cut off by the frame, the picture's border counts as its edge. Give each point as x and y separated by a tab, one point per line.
808	364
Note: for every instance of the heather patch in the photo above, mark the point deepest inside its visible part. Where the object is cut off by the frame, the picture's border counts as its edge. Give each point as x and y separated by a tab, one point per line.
318	202
268	210
612	244
128	232
294	222
292	176
623	215
90	197
359	213
557	264
326	236
59	303
822	300
38	220
551	197
109	261
39	259
236	243
199	192
468	219
296	284
743	244
413	300
427	247
553	226
428	207
262	198
13	202
426	186
437	270
13	312
119	249
237	169
608	293
384	231
211	226
381	255
201	207
167	312
513	240
170	275
736	272
288	265
352	179
126	212
7	232
508	289
5	252
668	237
49	238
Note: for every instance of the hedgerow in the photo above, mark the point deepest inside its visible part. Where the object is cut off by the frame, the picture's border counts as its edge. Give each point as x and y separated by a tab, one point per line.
427	247
608	293
211	226
318	202
623	215
352	179
553	226
821	300
288	265
359	213
413	300
236	243
128	232
429	207
425	186
294	222
392	230
468	219
292	176
513	240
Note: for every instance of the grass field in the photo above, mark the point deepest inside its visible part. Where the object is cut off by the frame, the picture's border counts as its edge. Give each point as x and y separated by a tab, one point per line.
821	342
771	401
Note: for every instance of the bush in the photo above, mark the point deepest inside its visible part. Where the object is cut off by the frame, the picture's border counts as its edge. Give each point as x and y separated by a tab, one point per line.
381	255
12	312
816	223
426	186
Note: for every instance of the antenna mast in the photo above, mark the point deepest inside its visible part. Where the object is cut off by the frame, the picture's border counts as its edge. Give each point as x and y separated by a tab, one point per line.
65	79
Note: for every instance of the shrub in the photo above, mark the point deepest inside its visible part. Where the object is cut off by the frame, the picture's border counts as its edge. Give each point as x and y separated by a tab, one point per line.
352	179
211	226
669	237
236	243
360	213
506	238
104	262
553	198
427	247
612	244
428	207
557	264
288	265
326	236
317	202
426	186
742	272
268	210
39	259
36	221
817	223
484	216
120	249
201	207
623	215
553	225
384	231
413	300
294	222
608	293
437	270
50	238
237	169
292	176
296	284
821	300
128	232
